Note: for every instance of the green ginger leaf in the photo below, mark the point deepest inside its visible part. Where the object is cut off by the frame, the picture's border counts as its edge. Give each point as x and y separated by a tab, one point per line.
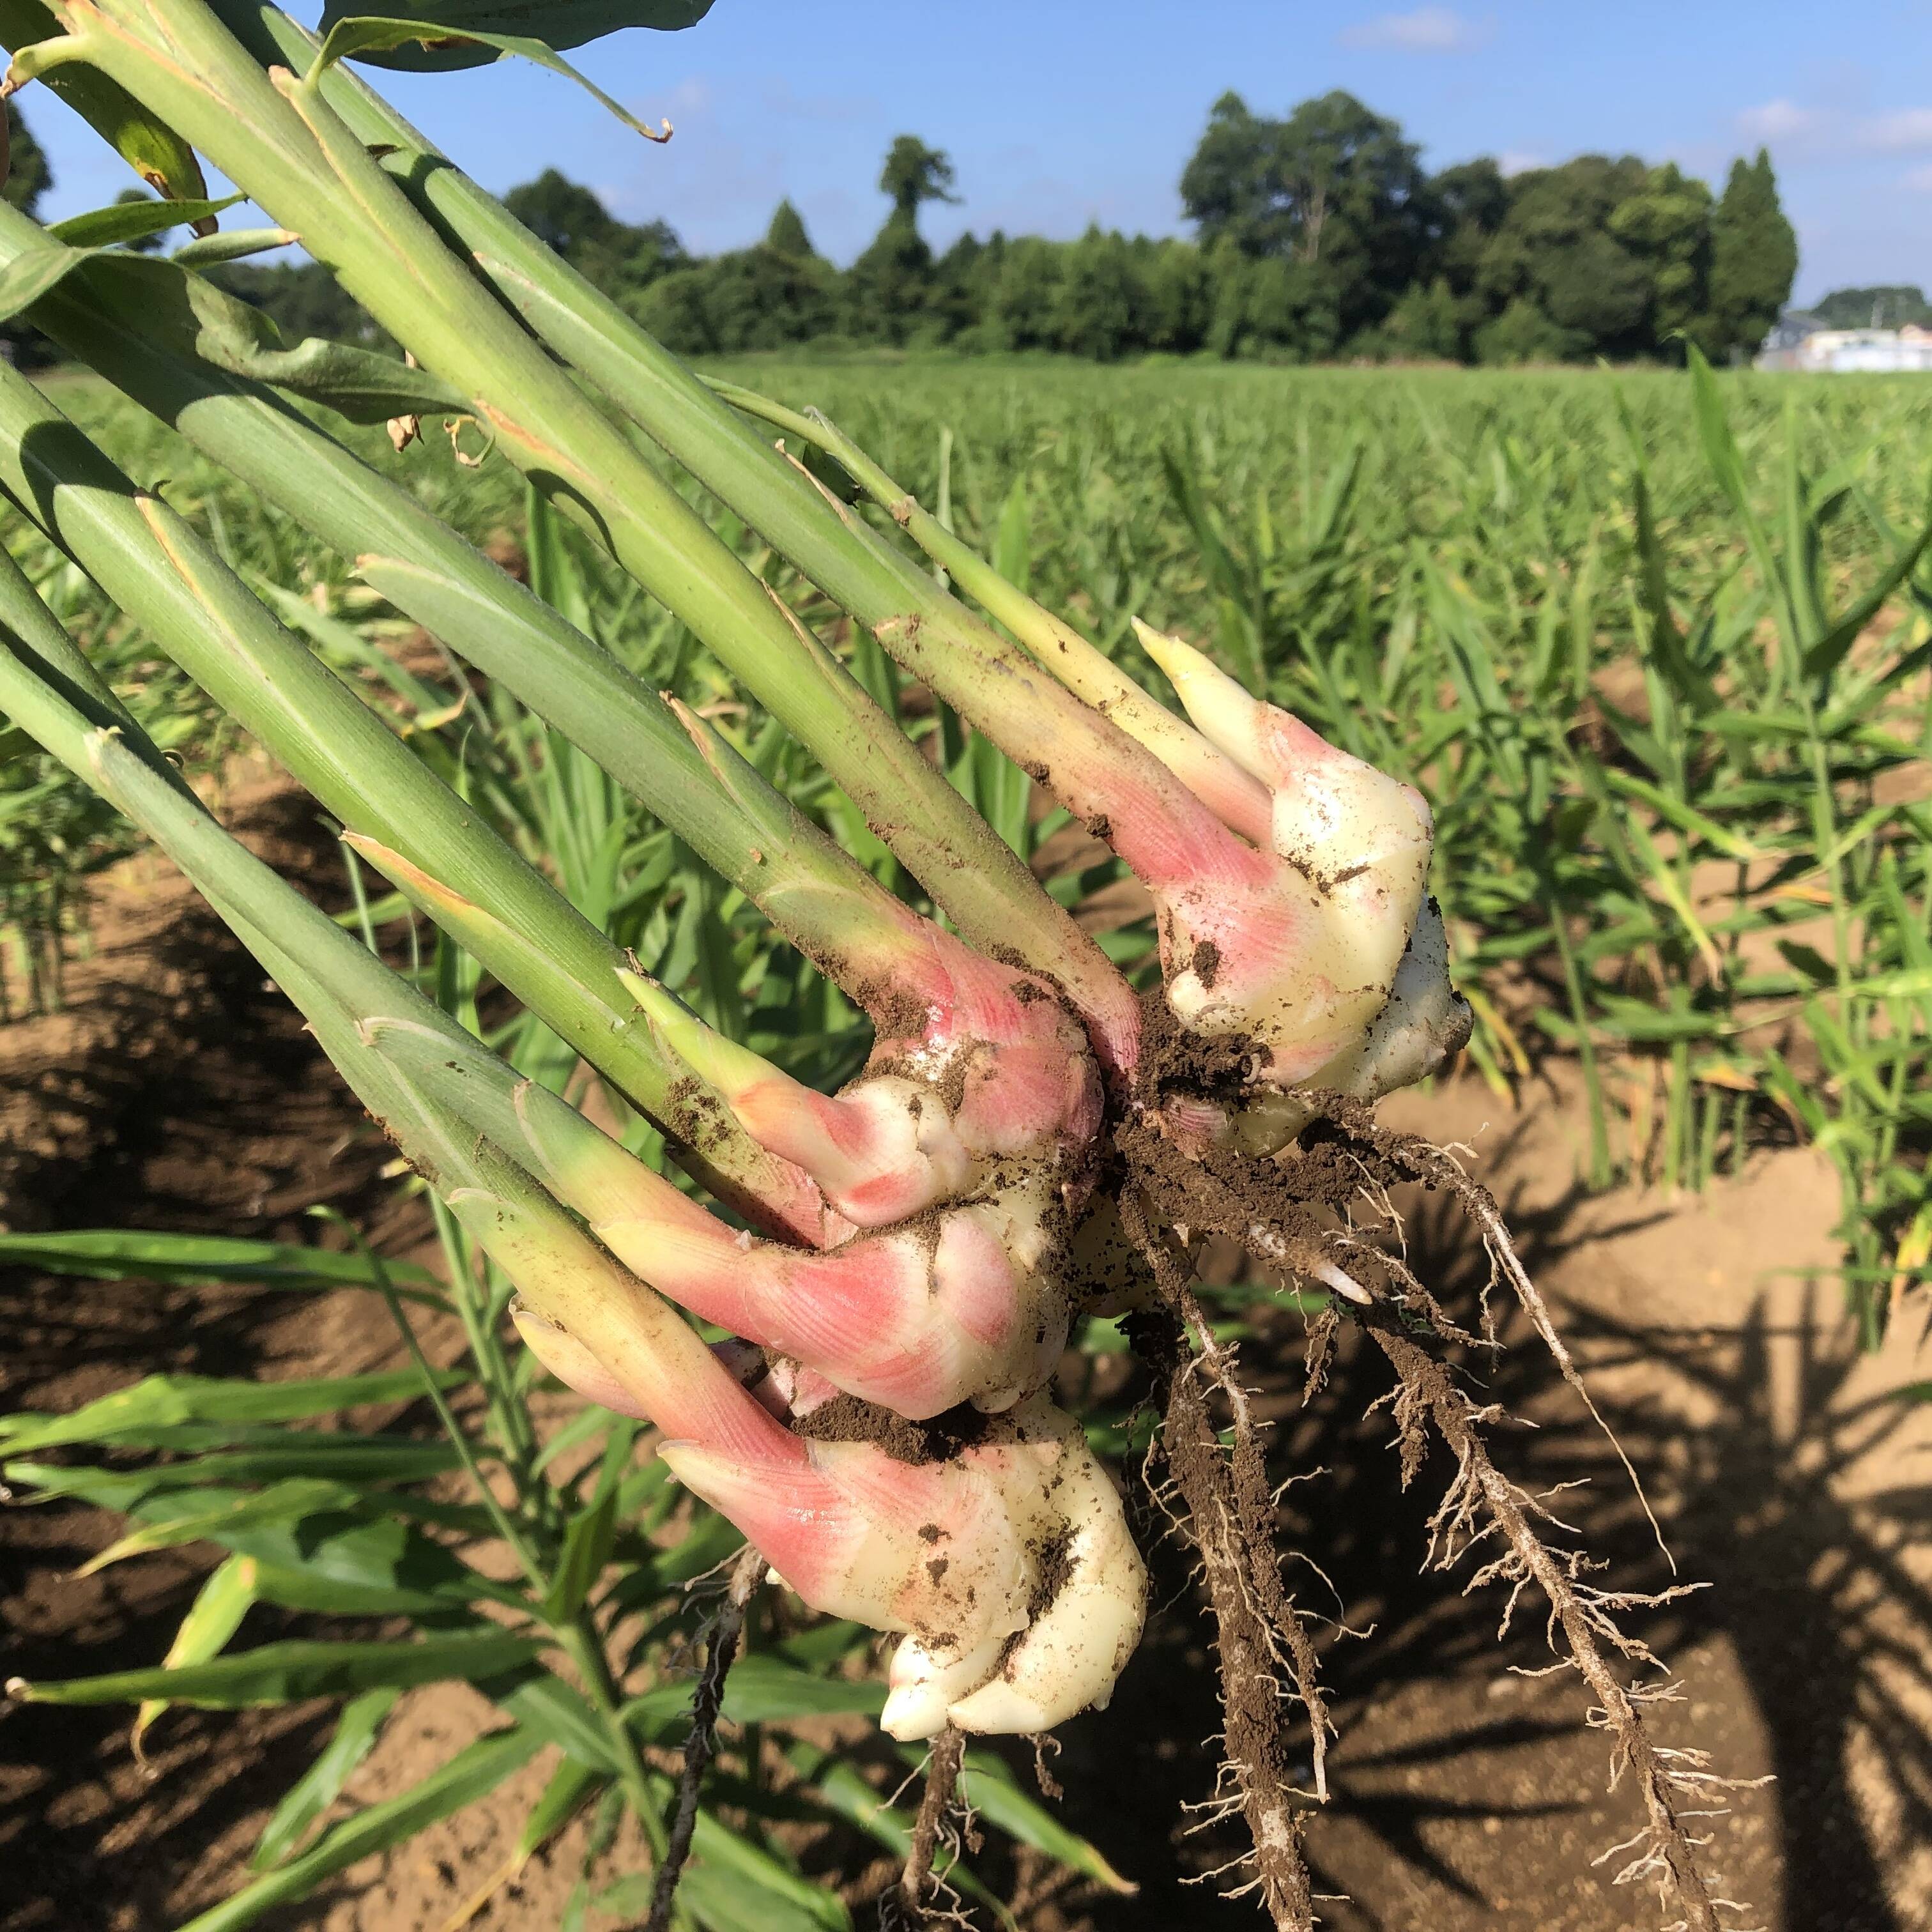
319	1786
474	1772
446	34
223	1600
284	1673
134	220
117	1254
129	1415
364	33
149	146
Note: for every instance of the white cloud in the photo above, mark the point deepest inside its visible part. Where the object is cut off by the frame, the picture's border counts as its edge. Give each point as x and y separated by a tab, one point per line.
1779	120
1920	180
1427	30
1906	131
1520	160
1835	134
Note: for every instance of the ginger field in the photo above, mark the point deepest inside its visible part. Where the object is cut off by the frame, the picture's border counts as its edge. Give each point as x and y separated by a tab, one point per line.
1655	654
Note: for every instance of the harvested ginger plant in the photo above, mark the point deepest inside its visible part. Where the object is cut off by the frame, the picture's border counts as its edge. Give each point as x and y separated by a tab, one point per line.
888	1274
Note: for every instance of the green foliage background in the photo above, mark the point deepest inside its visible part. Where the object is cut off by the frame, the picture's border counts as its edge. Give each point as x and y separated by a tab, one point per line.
1537	594
1320	235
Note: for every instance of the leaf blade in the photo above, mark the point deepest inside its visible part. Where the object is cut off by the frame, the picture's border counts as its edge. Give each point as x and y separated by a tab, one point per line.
282	1673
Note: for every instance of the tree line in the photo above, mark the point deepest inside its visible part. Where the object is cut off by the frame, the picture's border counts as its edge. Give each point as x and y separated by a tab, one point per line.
1891	305
1318	235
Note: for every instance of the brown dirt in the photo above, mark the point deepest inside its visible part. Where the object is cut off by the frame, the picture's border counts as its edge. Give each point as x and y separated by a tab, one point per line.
1469	1795
177	1092
847	1418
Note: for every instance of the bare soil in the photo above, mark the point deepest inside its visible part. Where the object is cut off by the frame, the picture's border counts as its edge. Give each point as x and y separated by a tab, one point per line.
177	1091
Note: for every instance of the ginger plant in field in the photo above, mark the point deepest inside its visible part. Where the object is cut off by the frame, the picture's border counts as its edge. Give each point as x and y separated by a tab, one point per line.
1032	1138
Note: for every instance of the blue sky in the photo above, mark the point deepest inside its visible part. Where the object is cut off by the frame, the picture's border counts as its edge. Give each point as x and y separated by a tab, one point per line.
1057	112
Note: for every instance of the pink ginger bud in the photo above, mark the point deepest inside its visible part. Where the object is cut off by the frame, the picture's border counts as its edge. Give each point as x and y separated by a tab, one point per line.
974	1063
967	1304
1425	1022
1288	936
1087	1601
1008	1565
857	1533
963	1303
1005	1562
1304	959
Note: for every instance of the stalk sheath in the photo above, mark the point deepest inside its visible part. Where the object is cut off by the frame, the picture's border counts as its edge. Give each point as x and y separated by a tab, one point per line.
159	570
129	320
286	142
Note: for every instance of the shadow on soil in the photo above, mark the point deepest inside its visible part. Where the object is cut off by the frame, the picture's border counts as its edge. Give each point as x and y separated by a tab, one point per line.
1752	1503
217	1115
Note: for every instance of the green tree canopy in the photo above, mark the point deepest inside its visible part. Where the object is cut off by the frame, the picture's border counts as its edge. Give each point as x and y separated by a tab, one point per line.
1320	235
1334	184
561	214
915	174
1227	187
787	234
1026	301
890	288
1556	256
28	176
572	218
1753	258
1886	306
1889	305
1099	311
1666	227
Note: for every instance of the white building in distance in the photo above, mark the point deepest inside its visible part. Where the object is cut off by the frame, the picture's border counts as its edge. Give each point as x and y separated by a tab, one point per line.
1798	343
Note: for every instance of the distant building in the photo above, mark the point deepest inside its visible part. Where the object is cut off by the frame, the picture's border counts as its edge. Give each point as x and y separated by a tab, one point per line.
1798	342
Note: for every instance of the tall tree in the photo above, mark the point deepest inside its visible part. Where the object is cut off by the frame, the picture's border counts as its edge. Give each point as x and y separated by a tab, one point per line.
561	214
1556	258
1463	207
1753	258
889	286
1427	323
1226	187
761	298
1270	306
955	301
28	176
620	256
1101	309
1026	300
1666	225
1334	187
787	234
1178	296
915	174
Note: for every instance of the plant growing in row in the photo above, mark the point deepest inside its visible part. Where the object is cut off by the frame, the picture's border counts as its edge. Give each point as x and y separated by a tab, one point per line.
1029	1139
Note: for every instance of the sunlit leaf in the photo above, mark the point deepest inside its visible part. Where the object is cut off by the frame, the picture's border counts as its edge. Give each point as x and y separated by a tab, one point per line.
282	1673
134	220
557	23
473	1773
225	1597
162	1402
318	1788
